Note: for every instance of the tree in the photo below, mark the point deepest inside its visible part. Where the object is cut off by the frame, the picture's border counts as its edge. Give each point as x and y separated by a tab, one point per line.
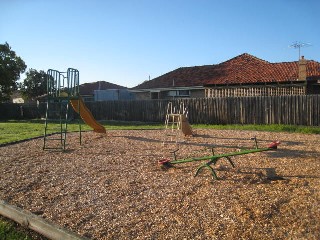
34	85
11	66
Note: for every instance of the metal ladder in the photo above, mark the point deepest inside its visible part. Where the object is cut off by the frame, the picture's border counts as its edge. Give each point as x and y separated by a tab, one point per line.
56	124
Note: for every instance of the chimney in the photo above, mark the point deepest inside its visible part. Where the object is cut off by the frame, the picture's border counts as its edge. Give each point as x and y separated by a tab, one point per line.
302	69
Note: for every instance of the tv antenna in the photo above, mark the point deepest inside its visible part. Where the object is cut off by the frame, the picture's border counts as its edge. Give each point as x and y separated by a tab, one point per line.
299	45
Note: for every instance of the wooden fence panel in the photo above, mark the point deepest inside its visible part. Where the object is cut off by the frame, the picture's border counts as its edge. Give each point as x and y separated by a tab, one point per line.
296	110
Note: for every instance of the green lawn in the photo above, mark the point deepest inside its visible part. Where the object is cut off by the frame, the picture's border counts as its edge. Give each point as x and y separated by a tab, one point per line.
11	131
10	230
269	128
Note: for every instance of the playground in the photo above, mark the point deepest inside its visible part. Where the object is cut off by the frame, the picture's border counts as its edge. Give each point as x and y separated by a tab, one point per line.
171	183
113	187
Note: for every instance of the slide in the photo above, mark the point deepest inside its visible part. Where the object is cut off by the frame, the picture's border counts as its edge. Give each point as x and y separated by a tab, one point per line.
185	126
87	116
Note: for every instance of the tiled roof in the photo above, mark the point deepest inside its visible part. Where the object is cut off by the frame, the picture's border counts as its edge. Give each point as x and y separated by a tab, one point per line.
88	88
243	69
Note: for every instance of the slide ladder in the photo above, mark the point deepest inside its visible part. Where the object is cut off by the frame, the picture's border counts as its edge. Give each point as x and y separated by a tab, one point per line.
178	119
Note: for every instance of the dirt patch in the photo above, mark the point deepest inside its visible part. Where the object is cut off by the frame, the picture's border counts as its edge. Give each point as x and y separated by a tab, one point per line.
111	187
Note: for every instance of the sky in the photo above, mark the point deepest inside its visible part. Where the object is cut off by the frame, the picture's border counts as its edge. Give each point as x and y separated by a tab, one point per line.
127	42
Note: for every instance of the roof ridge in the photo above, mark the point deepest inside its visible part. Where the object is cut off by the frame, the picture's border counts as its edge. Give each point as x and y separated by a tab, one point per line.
297	61
205	65
311	60
245	55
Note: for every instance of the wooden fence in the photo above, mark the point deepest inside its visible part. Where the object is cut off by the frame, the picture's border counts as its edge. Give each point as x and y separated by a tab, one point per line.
296	110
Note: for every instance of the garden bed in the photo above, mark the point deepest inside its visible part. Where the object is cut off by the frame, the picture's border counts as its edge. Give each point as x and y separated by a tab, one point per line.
111	187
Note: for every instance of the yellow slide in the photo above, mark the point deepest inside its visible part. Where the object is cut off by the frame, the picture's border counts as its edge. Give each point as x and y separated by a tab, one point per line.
87	116
185	126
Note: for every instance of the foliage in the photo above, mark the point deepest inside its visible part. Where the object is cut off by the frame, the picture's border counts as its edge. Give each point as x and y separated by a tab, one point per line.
34	85
11	66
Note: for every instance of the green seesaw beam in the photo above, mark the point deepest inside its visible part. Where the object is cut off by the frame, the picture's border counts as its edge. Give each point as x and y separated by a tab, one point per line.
214	158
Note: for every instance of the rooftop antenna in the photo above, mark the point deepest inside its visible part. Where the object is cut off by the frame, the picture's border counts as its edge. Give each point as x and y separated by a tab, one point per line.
299	45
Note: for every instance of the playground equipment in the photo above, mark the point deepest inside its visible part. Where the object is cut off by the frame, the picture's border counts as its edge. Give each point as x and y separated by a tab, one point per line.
178	118
80	108
61	91
213	159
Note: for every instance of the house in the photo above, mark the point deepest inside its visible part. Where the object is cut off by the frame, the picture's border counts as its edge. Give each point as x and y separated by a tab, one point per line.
113	95
99	91
243	75
16	97
102	90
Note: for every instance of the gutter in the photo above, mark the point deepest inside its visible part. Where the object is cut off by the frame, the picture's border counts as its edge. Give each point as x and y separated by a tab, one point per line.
166	89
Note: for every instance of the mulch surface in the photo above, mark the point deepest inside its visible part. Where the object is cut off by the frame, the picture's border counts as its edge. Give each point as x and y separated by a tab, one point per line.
112	187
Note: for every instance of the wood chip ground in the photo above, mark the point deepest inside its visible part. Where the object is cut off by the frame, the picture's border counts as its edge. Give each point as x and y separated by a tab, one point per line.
111	186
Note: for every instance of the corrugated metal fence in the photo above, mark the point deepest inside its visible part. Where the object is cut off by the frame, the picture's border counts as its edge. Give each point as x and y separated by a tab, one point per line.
296	110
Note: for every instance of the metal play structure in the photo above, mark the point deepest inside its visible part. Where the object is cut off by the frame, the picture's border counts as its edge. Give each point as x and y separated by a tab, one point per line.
63	91
213	159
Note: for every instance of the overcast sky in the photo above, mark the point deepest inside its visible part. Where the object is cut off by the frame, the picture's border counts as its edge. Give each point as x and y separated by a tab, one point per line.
126	41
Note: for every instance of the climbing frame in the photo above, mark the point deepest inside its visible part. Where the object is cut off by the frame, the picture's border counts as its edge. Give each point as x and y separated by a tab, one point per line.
61	88
177	119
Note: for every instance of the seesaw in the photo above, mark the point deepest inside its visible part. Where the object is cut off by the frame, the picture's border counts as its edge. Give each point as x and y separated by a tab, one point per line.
213	159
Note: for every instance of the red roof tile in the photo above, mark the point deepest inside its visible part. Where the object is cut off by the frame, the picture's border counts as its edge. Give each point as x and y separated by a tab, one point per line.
243	69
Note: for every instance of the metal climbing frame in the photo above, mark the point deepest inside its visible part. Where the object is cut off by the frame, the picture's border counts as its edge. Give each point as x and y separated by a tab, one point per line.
60	90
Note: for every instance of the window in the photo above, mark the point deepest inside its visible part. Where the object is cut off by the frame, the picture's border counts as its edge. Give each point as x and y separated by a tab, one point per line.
179	93
154	95
184	93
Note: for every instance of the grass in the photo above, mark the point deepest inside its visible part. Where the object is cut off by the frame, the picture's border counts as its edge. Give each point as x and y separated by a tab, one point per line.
115	125
269	128
9	230
11	131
